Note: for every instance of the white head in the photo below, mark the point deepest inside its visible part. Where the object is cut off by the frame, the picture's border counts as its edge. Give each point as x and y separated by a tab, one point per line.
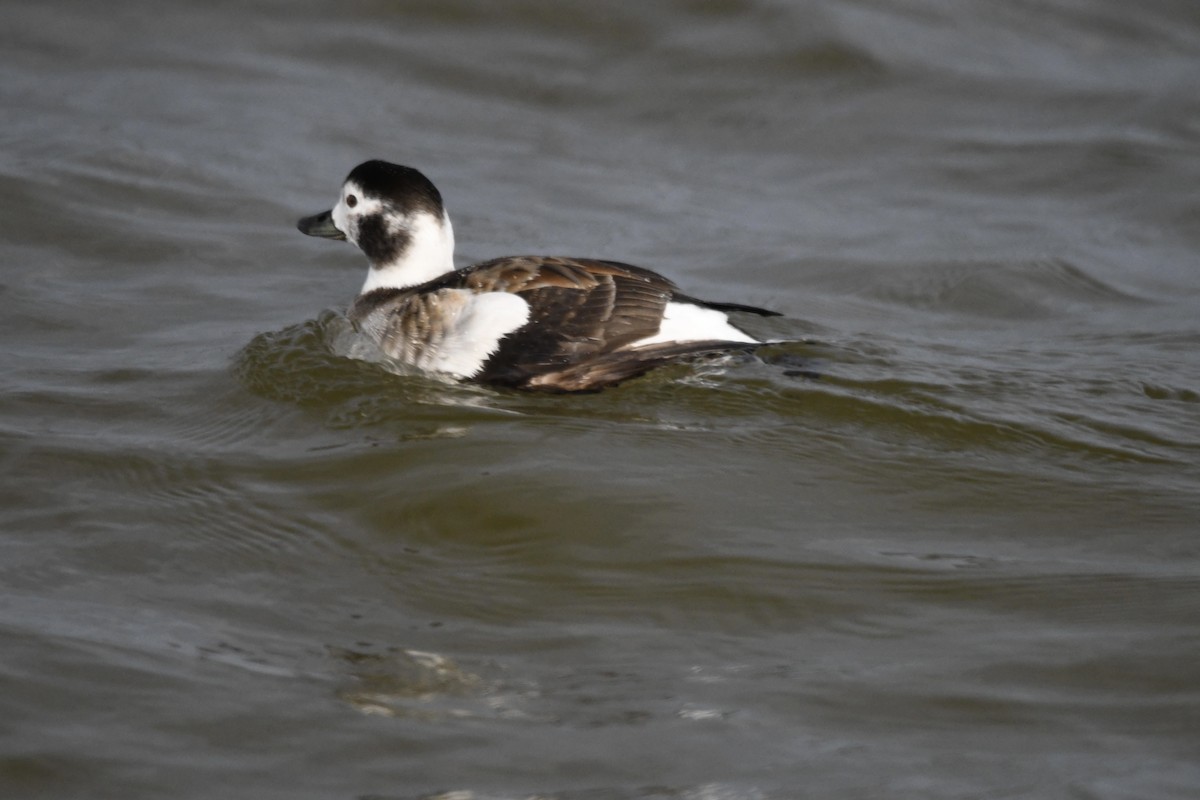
395	215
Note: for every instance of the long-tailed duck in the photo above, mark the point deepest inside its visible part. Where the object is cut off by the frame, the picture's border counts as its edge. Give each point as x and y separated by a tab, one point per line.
530	322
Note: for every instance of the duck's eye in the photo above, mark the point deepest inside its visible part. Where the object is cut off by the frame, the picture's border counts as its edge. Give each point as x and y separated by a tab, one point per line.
351	200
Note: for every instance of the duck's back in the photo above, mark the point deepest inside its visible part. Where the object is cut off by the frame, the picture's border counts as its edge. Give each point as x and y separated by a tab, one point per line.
552	323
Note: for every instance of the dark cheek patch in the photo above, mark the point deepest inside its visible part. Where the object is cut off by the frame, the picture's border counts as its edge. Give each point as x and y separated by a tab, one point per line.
380	245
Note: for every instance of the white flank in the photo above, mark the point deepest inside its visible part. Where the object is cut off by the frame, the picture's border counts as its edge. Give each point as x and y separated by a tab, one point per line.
473	328
686	322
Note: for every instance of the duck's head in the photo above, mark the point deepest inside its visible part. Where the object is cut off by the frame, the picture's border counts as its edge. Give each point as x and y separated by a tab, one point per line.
395	215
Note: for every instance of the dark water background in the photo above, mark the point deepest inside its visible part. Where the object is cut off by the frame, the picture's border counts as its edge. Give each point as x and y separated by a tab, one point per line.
961	564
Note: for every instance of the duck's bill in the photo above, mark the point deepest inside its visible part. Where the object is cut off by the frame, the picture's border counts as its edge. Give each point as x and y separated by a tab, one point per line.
321	225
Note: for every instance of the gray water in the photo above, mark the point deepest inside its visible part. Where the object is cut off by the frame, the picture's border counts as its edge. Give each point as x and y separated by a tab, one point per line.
942	542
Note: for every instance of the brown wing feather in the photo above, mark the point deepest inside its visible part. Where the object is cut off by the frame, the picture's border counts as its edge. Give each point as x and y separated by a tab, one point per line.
609	369
578	309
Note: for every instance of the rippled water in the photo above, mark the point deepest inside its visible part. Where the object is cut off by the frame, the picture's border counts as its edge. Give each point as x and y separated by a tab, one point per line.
940	542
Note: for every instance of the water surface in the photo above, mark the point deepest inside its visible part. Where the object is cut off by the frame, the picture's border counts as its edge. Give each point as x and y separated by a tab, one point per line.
940	543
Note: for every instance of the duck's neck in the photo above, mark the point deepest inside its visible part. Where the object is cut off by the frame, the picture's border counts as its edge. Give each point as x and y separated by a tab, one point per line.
428	254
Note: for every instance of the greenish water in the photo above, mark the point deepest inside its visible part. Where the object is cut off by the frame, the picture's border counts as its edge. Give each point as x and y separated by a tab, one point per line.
941	543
